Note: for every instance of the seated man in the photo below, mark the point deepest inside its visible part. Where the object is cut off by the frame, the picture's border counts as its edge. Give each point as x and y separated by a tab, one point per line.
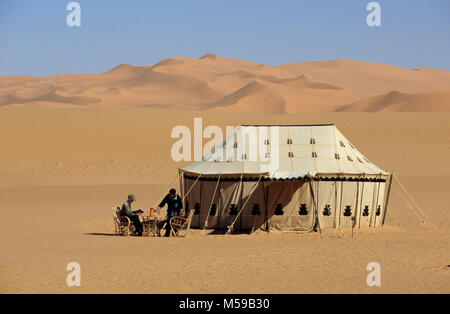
174	206
133	215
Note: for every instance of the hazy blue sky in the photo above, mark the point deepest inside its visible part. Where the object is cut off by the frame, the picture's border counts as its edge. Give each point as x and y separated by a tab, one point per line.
35	39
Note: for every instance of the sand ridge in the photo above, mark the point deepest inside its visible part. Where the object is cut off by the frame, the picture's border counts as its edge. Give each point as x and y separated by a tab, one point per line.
222	84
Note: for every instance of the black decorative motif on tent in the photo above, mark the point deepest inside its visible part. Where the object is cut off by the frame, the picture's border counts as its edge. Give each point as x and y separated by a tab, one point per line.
314	155
337	156
290	154
327	210
348	211
266	142
303	210
289	141
378	210
213	210
366	211
256	210
233	210
279	210
312	141
197	209
342	143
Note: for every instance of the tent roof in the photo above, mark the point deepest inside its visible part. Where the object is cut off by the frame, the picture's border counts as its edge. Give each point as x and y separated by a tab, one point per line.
284	152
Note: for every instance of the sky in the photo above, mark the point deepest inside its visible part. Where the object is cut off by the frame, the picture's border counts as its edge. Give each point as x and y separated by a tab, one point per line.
36	40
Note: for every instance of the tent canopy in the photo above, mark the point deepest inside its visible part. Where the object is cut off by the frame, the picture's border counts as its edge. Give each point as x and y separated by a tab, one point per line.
285	152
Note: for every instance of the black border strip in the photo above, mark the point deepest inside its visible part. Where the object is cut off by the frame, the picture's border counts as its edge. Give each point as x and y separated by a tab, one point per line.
305	178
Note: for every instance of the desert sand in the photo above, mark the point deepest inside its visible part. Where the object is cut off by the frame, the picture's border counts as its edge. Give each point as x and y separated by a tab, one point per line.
62	169
73	146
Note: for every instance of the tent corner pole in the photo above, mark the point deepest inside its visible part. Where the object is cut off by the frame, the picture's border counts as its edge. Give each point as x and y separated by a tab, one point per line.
386	202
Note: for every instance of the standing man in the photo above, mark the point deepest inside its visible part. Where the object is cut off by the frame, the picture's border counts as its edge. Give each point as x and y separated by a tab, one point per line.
133	215
174	207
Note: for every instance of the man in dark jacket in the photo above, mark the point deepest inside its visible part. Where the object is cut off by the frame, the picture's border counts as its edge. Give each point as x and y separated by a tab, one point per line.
174	207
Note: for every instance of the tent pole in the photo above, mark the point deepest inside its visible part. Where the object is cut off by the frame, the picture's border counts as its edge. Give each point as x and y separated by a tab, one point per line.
210	206
242	208
266	210
315	206
180	181
373	204
387	198
256	216
356	207
378	196
340	203
191	188
360	205
335	203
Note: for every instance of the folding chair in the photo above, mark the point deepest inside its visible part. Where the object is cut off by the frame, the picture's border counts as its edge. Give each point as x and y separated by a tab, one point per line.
180	225
122	224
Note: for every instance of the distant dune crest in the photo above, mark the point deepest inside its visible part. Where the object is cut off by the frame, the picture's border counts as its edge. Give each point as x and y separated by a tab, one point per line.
216	83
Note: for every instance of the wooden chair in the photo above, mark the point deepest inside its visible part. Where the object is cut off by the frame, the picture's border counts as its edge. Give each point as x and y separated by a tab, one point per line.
122	224
180	225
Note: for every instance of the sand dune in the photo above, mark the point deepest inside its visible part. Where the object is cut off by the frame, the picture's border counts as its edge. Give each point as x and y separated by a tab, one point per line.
254	97
304	82
214	82
398	102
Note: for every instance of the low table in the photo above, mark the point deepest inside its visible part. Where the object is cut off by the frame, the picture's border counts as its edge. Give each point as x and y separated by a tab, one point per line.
150	226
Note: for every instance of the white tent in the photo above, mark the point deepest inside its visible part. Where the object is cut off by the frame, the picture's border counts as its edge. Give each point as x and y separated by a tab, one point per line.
286	178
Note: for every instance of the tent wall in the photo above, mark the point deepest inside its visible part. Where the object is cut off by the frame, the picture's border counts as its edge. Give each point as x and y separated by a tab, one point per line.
290	206
326	193
348	203
208	204
366	204
285	205
230	204
253	215
193	200
378	210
